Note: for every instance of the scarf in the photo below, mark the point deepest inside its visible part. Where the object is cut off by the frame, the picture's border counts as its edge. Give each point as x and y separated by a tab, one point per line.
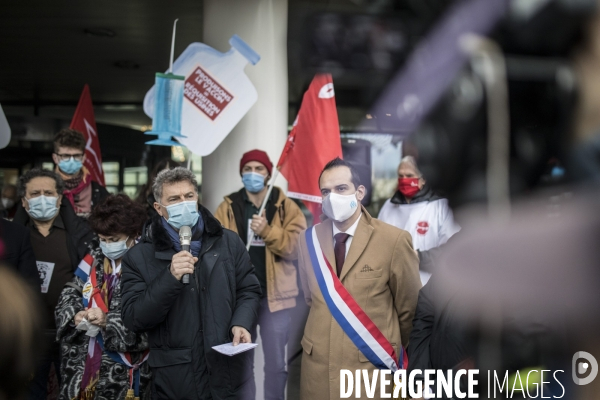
74	186
72	183
197	232
91	372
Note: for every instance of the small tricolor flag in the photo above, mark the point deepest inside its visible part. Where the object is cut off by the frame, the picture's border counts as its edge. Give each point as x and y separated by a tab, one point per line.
84	267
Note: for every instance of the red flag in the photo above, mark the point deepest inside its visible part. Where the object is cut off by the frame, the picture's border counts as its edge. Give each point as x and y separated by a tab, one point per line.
84	122
314	141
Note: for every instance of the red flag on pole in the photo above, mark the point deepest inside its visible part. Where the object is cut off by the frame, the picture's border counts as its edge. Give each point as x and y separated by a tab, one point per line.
84	122
314	141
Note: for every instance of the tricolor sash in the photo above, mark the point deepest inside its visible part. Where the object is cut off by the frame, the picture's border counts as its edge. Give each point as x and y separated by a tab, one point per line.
349	315
125	359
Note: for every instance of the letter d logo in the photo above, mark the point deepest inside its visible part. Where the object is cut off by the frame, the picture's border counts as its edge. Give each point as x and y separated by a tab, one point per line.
582	367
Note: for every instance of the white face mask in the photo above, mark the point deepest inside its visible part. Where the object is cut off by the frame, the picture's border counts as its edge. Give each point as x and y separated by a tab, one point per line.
114	250
339	207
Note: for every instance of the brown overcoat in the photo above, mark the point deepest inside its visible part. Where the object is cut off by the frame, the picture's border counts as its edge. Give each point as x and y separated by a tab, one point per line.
381	272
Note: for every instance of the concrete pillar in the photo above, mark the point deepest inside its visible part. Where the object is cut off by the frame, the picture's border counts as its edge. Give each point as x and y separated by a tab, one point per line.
263	25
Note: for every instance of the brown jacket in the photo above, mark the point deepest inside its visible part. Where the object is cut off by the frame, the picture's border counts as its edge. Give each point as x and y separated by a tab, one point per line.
387	291
281	245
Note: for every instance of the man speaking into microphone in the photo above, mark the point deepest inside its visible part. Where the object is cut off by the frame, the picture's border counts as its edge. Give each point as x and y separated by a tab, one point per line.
190	301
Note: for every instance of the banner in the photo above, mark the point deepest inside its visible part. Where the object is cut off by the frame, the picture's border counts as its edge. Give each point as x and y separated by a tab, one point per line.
84	121
314	141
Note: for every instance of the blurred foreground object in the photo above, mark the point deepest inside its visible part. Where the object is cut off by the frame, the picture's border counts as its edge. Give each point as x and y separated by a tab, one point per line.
20	334
455	141
441	102
534	278
543	263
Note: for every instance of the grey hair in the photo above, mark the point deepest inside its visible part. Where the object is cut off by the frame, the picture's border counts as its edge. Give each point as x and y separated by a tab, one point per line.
39	173
410	160
170	176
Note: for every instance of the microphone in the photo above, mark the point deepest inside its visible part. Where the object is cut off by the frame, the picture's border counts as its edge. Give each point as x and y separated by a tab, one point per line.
185	238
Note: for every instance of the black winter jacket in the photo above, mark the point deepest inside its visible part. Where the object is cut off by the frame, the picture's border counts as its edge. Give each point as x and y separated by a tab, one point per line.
99	193
184	321
437	340
77	228
18	251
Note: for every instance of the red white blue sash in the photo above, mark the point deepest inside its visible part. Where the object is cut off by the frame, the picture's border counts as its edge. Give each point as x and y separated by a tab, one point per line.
349	315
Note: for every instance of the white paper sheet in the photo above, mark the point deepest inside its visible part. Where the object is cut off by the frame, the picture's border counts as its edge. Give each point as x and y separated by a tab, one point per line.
256	240
230	350
90	329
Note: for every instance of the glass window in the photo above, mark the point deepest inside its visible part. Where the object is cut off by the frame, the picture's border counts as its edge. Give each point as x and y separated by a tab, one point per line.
386	151
111	175
196	167
133	179
130	178
130	191
8	176
178	153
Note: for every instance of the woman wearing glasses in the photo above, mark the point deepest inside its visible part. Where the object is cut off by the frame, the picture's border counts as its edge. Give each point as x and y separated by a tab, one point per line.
69	156
100	358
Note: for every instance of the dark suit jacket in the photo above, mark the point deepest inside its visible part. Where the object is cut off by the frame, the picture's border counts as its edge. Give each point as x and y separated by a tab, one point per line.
18	251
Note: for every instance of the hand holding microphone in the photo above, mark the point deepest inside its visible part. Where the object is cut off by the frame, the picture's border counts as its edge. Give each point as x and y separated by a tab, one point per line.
182	264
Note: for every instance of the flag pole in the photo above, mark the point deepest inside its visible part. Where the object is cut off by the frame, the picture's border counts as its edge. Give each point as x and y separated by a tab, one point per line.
264	203
282	158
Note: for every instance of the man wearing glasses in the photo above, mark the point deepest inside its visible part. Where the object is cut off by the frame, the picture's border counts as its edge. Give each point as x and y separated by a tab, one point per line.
69	156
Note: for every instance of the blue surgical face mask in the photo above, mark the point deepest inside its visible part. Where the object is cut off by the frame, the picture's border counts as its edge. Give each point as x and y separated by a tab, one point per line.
253	182
114	250
42	208
183	214
70	166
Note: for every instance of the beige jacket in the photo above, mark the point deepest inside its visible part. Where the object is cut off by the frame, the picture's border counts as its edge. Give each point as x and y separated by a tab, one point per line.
387	290
281	244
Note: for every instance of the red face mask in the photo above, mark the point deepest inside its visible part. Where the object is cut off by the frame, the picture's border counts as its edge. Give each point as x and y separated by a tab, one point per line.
408	186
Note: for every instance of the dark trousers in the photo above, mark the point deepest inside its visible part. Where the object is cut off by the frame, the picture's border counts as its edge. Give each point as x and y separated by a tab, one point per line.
38	388
274	332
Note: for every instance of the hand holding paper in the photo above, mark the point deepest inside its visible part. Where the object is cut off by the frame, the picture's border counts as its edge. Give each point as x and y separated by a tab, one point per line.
240	335
91	329
230	350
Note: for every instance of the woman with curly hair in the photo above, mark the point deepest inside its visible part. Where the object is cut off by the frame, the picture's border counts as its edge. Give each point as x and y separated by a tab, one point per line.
100	358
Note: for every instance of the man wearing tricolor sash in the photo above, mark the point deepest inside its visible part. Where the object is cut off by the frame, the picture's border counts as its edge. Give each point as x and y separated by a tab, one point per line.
361	279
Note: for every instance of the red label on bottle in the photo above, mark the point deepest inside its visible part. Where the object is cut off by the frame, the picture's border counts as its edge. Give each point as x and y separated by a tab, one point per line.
206	93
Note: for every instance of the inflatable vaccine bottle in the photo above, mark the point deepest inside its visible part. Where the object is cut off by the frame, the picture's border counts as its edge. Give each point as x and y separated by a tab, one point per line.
216	93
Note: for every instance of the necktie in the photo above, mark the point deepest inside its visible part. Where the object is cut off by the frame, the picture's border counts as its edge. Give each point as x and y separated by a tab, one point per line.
340	251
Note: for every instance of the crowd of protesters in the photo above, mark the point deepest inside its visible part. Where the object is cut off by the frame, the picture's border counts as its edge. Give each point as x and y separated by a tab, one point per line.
115	318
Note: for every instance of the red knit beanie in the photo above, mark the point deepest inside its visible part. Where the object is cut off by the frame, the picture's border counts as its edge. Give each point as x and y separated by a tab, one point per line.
256	155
